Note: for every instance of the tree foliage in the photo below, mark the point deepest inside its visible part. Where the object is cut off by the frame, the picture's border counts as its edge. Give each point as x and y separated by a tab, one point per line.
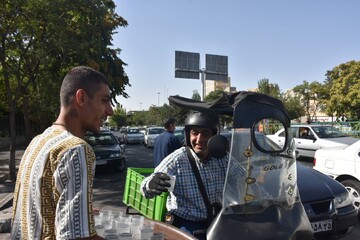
40	40
119	117
196	95
344	83
270	89
293	106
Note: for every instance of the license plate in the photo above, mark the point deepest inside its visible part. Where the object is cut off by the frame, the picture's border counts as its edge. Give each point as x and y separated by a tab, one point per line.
322	226
101	162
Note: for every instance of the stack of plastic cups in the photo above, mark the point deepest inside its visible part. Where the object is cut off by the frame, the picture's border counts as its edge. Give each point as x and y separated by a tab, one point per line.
157	236
136	224
123	224
99	227
146	231
110	234
105	217
113	217
125	236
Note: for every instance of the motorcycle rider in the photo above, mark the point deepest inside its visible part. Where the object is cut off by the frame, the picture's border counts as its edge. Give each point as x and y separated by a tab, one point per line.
185	204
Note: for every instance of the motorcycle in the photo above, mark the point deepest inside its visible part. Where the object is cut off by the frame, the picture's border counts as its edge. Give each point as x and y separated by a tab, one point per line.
260	198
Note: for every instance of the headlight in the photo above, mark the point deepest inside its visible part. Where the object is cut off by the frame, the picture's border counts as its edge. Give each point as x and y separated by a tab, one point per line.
343	200
114	155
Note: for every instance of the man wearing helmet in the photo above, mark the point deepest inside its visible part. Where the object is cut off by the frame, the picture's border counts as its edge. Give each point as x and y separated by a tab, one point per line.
185	203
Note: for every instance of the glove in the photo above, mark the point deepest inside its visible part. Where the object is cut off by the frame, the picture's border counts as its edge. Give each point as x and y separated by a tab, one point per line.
158	184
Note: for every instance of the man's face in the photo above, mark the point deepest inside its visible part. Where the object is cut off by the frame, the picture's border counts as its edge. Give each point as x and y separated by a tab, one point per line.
172	127
97	109
198	140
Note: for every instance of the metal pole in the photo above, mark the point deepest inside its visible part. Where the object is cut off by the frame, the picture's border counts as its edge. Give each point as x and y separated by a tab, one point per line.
202	72
158	98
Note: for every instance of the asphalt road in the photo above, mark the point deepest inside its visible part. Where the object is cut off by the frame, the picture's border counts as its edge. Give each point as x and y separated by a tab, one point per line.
109	186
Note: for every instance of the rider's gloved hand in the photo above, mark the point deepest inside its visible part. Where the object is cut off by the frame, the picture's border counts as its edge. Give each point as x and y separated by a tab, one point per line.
159	183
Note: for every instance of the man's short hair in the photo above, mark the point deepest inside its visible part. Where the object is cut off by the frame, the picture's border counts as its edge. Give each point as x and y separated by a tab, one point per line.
168	122
80	77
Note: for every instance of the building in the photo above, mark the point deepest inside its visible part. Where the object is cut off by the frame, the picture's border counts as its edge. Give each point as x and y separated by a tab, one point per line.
211	86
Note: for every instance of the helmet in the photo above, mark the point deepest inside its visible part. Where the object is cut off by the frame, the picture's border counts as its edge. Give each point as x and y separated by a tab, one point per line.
201	119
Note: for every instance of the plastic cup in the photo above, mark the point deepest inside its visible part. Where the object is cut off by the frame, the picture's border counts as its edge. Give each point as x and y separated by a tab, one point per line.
122	227
172	183
138	237
157	236
100	229
125	236
146	232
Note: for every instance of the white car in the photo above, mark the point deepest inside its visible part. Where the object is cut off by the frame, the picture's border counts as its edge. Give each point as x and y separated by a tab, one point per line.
309	138
342	164
150	134
133	135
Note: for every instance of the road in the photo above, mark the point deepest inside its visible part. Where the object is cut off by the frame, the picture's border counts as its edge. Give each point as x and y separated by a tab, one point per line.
109	186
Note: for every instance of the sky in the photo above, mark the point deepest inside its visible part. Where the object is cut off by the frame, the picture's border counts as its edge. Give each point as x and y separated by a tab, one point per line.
285	41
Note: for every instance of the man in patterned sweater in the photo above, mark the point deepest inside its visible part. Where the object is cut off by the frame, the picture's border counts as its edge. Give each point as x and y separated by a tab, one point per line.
53	191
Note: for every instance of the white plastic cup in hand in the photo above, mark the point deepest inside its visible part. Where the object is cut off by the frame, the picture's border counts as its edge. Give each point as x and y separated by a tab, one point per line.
172	183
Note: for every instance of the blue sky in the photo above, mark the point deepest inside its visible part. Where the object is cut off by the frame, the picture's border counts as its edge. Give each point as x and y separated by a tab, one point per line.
286	41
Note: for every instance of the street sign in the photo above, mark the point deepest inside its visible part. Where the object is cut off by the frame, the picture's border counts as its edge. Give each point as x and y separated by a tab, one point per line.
216	67
187	65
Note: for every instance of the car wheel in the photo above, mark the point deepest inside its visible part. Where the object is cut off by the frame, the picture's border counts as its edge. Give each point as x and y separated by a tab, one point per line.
121	166
354	189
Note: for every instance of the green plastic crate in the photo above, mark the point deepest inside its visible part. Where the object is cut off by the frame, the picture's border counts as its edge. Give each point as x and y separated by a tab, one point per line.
154	208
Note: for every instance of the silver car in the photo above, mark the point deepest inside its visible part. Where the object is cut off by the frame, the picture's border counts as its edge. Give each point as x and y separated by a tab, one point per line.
150	134
309	138
133	135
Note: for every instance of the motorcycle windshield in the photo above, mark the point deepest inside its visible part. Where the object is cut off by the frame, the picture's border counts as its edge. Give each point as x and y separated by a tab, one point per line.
260	173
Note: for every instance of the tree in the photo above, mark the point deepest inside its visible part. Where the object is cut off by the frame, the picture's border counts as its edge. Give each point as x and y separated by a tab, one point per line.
270	89
40	41
345	90
214	95
314	93
196	95
119	117
293	106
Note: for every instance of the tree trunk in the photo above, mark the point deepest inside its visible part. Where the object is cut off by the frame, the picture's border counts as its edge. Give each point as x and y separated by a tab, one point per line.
12	167
11	103
28	129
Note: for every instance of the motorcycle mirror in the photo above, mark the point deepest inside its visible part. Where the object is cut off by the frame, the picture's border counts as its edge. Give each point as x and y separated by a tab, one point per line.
218	146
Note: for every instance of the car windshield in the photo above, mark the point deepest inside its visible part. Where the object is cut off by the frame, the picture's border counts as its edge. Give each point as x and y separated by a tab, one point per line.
133	131
101	139
156	131
327	132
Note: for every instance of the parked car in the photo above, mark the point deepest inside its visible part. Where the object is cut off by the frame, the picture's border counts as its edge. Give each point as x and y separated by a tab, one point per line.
179	133
150	134
121	134
327	203
107	150
133	135
309	138
343	165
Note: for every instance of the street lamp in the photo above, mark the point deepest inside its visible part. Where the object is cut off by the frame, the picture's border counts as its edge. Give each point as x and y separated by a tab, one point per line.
158	97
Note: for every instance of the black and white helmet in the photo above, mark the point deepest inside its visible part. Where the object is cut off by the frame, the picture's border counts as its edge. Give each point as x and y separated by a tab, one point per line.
204	119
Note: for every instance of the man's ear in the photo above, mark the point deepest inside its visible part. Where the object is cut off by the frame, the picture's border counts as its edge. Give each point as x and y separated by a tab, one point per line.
80	96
